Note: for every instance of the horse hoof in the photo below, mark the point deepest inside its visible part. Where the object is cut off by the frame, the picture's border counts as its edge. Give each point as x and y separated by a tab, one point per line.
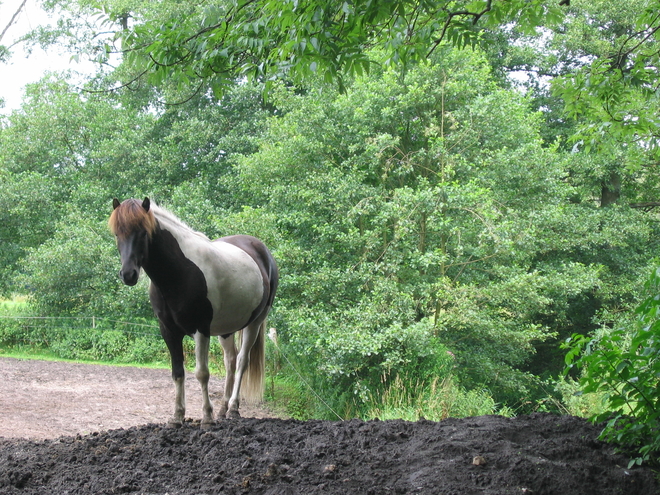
207	425
174	423
233	415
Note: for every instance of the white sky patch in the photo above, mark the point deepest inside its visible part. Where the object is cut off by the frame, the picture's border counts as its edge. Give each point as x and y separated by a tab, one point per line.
21	68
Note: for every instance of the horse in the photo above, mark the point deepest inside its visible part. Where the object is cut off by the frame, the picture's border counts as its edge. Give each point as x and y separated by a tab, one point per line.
200	288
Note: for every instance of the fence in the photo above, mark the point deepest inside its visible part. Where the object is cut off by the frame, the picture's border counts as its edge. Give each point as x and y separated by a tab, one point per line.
84	338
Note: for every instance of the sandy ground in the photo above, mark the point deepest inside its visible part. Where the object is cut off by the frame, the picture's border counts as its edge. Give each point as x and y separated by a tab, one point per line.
47	399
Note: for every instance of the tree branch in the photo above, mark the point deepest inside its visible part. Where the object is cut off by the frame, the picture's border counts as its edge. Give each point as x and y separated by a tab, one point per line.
13	18
475	18
646	205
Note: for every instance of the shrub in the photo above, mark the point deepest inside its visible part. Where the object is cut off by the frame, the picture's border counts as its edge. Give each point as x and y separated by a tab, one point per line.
624	366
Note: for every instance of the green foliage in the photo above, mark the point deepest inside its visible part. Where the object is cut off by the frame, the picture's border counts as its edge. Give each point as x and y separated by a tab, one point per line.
74	273
623	365
178	45
576	402
82	339
613	86
435	234
28	202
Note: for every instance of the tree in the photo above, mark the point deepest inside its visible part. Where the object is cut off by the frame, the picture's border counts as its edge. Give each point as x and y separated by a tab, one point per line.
4	51
220	43
614	87
431	203
611	78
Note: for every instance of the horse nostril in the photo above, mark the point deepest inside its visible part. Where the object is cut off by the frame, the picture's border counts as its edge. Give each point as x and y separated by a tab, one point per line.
129	277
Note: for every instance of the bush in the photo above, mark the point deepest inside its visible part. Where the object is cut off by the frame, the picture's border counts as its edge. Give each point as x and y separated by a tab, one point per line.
88	339
360	359
624	366
19	329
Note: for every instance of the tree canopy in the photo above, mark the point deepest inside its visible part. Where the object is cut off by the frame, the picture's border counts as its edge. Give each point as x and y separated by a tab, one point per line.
274	40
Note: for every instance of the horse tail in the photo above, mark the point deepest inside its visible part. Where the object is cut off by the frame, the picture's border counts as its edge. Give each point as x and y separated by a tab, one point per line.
253	383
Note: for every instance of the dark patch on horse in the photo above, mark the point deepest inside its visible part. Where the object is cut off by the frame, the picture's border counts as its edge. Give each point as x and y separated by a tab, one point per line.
179	294
267	266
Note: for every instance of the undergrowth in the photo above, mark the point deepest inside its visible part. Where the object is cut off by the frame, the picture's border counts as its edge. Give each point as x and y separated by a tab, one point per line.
287	391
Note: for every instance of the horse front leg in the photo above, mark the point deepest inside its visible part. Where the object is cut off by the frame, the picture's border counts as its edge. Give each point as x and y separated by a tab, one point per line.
175	346
202	374
229	355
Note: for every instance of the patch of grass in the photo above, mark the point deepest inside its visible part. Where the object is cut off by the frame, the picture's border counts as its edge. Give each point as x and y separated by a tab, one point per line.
435	400
578	403
15	300
287	398
47	355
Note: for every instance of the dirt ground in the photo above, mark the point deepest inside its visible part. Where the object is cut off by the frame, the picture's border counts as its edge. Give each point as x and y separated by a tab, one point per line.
47	399
84	429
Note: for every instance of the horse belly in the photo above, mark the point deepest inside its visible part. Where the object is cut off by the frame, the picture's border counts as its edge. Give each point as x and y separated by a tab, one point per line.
235	290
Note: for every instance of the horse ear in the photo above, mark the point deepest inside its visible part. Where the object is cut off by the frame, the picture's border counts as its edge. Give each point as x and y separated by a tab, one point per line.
115	203
146	204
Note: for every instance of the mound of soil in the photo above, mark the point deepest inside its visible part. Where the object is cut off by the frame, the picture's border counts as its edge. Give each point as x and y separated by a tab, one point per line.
536	454
83	429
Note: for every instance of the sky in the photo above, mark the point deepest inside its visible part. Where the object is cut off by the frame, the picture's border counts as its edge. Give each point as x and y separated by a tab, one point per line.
20	69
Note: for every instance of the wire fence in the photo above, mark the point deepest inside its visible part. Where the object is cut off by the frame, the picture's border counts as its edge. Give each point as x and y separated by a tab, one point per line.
82	322
92	338
88	338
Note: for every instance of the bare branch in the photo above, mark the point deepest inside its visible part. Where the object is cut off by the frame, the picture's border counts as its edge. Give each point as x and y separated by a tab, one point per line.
647	205
13	18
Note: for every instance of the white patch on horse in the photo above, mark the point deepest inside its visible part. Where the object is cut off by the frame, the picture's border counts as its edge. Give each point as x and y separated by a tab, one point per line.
233	279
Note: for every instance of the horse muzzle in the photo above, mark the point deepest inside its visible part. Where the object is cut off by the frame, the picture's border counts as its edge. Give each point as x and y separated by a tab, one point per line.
129	276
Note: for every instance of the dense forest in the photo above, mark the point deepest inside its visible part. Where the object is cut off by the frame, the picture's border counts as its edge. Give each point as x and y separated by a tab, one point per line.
442	224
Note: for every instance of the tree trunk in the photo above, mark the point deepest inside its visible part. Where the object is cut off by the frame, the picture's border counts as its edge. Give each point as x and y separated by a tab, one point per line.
610	190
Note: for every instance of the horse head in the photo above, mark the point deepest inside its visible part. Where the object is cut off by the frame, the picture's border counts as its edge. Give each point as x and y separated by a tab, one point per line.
133	224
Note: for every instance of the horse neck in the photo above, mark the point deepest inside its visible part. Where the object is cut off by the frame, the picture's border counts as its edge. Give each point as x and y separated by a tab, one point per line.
165	264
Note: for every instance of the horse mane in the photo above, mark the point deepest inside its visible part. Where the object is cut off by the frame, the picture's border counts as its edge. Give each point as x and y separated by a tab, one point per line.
129	216
171	222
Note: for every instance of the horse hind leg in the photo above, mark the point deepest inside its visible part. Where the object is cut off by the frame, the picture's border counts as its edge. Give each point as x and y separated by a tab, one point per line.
250	357
202	374
229	355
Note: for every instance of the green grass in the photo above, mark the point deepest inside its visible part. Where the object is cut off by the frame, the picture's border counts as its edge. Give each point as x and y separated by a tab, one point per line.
434	400
46	355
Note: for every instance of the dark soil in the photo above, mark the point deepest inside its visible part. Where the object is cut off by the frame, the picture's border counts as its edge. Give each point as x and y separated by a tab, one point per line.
535	454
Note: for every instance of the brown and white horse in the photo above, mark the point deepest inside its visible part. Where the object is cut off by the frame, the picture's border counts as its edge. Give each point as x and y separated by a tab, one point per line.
200	288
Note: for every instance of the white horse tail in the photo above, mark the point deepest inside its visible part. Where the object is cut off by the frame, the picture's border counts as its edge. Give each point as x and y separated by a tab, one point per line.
253	383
